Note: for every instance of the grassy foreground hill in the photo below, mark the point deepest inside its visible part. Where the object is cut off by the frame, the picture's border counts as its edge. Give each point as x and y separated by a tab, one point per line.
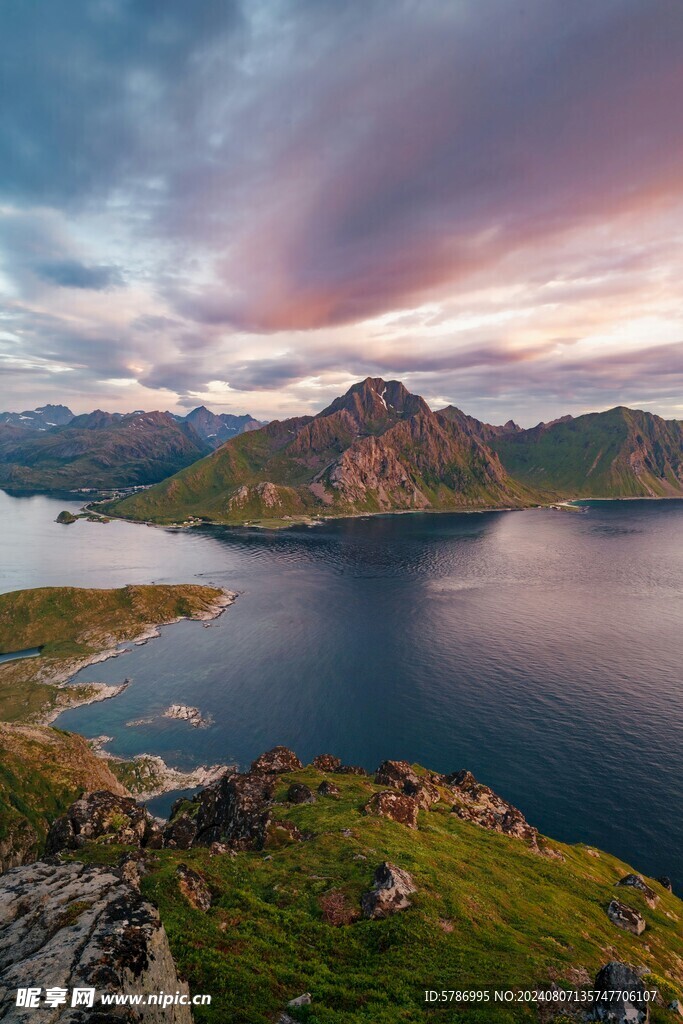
42	771
622	453
75	626
488	910
377	448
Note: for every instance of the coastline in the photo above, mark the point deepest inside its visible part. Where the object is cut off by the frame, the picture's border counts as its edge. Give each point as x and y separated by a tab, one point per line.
63	676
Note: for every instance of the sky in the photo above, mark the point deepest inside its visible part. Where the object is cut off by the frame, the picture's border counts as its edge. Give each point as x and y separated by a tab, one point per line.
251	205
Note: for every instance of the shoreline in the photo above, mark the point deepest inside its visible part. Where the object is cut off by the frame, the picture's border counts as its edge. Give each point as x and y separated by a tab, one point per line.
161	777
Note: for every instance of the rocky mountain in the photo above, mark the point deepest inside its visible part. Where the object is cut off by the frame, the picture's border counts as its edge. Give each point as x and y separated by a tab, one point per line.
485	431
619	453
216	428
286	891
43	418
98	450
377	448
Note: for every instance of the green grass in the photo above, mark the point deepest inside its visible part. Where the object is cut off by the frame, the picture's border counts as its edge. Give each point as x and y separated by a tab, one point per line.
515	918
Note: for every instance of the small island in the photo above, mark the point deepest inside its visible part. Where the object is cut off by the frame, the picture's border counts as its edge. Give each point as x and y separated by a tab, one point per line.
65	517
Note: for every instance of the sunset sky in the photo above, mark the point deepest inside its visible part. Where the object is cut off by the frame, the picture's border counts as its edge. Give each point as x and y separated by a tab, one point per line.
252	205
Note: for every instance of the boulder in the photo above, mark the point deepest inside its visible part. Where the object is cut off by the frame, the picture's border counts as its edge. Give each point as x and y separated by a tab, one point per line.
298	793
636	882
194	888
327	763
613	981
79	926
305	999
328	789
276	762
103	816
393	805
626	917
665	882
423	792
478	804
235	810
351	769
282	833
396	774
180	832
391	888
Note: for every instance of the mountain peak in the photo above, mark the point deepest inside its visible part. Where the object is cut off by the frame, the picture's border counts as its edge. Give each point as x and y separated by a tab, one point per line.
375	399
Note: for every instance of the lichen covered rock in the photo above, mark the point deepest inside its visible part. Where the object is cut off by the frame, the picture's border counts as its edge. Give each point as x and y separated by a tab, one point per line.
106	818
626	917
395	806
389	894
73	925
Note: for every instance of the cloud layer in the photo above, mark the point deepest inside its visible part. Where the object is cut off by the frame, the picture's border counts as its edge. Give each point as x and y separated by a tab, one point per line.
253	204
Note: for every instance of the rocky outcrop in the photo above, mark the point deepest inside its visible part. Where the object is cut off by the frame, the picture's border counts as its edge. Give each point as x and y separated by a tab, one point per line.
194	888
327	763
395	806
477	803
402	776
299	793
185	713
328	789
665	882
621	999
236	810
105	817
74	926
389	894
626	917
636	882
276	761
351	769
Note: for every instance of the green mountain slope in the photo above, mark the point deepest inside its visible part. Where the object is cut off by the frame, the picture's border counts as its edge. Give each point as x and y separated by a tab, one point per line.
619	453
488	909
377	448
99	450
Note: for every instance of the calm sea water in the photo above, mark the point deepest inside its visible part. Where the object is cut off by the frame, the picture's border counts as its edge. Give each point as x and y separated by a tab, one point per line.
540	649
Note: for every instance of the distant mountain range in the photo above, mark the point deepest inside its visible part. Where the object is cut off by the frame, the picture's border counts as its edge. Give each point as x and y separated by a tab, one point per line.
51	449
377	448
216	428
43	418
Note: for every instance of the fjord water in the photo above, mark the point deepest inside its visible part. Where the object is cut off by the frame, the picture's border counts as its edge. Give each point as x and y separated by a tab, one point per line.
540	649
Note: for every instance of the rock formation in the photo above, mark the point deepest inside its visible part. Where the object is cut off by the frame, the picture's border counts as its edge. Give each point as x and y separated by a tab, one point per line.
276	761
106	817
389	894
477	803
395	806
636	882
626	917
74	926
614	981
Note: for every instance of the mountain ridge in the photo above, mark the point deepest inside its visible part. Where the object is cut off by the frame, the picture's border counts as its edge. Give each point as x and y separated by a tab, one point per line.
377	448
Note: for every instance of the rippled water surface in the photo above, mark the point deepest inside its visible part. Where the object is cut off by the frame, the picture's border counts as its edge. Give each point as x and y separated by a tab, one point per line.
540	649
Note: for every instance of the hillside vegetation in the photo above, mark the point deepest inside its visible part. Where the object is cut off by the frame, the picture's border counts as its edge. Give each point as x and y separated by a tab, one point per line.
623	453
487	911
41	772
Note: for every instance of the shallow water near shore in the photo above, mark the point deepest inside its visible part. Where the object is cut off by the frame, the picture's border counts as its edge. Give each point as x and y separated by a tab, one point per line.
540	649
